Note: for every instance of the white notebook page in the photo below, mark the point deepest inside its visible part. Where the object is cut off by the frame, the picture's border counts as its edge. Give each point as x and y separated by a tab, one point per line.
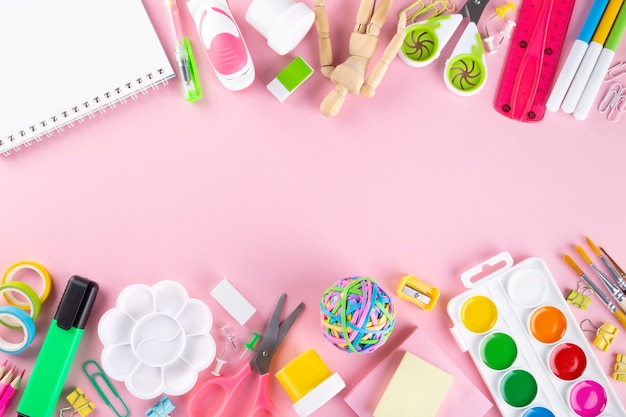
64	59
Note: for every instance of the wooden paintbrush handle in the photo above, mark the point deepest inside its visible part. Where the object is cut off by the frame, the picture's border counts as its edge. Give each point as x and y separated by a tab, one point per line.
621	317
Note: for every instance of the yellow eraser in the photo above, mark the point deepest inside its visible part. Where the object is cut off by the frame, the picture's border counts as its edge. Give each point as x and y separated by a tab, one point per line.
417	292
302	374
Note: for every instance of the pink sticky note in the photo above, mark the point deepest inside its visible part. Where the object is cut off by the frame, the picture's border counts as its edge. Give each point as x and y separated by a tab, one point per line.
462	399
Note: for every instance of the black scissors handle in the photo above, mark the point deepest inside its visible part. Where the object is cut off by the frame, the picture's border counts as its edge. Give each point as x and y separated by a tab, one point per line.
274	336
474	9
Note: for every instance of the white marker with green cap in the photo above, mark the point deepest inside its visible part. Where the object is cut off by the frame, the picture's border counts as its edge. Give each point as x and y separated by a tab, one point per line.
602	65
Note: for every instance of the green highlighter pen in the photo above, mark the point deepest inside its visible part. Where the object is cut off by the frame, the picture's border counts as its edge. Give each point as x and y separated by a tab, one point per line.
53	363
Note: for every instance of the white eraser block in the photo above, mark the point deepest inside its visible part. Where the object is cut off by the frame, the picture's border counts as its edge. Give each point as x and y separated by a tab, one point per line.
286	82
233	301
319	395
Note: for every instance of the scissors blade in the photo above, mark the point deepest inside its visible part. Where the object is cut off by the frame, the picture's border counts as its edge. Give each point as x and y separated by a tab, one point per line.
274	336
474	9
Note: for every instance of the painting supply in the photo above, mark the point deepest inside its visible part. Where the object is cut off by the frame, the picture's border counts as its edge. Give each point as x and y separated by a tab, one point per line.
619	274
614	270
612	288
526	344
619	314
357	315
290	78
601	67
417	292
575	56
416	389
309	382
532	59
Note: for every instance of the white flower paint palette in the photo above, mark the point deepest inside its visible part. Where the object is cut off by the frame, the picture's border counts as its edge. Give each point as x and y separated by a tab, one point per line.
526	343
156	339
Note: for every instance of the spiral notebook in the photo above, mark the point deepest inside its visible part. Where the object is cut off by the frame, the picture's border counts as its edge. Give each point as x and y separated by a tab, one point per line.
63	61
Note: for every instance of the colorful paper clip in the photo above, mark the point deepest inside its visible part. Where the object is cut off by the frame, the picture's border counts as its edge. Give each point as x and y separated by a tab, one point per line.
619	371
99	373
580	297
604	334
417	292
161	408
79	404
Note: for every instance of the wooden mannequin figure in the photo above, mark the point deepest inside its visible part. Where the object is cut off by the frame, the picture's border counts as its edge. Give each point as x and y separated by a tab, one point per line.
349	77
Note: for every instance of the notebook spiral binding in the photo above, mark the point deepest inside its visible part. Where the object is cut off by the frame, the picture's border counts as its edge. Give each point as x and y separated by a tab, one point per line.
78	113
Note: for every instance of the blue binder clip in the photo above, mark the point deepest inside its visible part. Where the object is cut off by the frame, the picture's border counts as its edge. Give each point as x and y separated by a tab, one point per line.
161	408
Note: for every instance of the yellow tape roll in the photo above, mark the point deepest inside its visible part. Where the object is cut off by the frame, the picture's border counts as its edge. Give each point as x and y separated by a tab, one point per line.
39	270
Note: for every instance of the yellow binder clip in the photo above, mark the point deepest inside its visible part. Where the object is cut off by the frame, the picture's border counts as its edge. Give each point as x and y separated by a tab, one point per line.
619	371
580	297
417	292
604	334
79	404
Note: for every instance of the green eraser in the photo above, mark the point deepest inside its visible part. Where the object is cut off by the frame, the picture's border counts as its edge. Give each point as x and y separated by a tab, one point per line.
290	78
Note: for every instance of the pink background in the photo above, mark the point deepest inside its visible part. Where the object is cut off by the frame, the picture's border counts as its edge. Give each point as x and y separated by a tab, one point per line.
277	198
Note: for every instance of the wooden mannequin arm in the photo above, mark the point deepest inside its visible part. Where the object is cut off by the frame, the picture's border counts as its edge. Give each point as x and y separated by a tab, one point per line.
323	29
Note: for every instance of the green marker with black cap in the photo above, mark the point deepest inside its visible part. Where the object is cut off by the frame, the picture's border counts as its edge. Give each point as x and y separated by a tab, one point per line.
53	363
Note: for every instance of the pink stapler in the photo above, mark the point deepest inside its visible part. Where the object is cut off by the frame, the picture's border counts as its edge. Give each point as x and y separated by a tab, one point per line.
223	43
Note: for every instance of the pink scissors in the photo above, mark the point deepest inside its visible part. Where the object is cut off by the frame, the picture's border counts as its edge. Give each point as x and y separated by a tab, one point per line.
206	398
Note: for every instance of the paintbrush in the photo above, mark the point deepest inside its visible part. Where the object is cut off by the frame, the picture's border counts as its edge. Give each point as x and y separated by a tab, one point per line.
619	314
620	273
616	275
613	289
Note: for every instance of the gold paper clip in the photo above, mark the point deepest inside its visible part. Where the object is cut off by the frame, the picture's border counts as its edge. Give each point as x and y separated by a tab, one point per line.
99	374
619	370
604	334
580	297
79	404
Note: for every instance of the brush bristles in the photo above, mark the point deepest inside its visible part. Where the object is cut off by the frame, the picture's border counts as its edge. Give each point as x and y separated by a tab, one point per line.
572	264
583	254
593	247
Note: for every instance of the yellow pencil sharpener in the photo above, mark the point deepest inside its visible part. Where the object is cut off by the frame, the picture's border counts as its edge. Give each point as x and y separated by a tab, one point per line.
422	295
308	382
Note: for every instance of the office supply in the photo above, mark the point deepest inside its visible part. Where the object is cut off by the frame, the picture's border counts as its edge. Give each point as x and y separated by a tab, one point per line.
580	297
417	292
223	43
113	54
290	78
612	269
526	343
183	54
283	23
162	408
17	270
357	315
309	382
619	314
32	303
156	339
462	399
113	400
604	334
10	391
590	58
203	402
465	69
532	59
58	349
505	34
575	56
613	104
615	71
602	65
79	404
416	389
233	301
18	319
619	368
230	342
249	345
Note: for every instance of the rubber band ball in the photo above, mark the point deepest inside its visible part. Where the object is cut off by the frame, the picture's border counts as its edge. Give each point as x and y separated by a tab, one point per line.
357	316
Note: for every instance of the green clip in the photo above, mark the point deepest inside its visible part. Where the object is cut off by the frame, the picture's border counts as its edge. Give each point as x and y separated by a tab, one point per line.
99	373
